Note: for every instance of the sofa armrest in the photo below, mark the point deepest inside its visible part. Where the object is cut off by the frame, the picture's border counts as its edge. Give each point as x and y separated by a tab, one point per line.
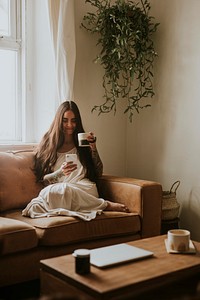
140	196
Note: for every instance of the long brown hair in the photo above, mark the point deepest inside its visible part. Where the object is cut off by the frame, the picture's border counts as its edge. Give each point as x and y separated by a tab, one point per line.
53	139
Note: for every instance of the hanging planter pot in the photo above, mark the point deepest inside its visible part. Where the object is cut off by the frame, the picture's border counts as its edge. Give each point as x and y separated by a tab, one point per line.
170	205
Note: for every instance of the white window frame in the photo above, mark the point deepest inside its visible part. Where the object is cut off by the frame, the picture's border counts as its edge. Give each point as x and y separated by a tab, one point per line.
14	42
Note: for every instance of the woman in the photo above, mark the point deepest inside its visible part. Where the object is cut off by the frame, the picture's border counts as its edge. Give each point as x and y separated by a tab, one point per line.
70	187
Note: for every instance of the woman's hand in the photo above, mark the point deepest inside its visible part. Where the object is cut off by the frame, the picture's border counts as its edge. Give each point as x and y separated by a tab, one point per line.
69	167
92	140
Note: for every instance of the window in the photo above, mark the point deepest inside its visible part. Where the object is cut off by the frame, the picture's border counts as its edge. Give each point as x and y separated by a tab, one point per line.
10	71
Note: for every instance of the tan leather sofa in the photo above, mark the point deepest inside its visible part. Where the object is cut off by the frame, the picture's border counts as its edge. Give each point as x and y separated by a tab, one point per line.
24	241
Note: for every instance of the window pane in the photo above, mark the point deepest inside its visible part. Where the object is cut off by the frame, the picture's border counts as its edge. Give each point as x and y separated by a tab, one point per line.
4	17
8	99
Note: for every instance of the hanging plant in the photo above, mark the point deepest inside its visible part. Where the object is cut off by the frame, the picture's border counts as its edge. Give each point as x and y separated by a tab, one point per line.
127	52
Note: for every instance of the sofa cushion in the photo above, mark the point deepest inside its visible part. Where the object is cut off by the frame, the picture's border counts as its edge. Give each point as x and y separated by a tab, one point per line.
17	194
16	236
66	230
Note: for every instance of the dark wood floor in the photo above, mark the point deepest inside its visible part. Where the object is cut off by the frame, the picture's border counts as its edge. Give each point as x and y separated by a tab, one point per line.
188	290
27	290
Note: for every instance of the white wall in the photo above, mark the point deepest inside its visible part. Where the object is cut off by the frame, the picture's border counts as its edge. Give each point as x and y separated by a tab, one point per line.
163	141
110	129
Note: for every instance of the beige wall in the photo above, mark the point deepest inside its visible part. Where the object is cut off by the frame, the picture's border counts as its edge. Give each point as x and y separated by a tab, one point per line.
165	139
110	130
163	142
88	91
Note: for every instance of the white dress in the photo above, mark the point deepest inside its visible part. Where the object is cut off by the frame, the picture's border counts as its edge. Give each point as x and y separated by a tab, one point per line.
72	195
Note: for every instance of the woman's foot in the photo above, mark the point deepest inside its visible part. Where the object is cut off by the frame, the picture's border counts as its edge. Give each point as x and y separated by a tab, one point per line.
114	206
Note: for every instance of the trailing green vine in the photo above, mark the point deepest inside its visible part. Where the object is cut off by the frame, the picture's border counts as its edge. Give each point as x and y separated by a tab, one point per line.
127	53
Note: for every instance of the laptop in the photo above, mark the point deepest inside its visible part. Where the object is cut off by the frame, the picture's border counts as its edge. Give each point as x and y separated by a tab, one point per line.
111	255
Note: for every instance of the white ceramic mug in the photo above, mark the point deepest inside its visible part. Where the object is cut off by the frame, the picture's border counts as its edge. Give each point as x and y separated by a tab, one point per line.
82	139
178	240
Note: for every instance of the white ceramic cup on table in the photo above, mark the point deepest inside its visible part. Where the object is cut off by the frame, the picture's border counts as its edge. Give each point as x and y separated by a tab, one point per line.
178	240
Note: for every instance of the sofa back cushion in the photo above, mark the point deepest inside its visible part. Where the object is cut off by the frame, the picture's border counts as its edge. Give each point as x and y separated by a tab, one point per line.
17	180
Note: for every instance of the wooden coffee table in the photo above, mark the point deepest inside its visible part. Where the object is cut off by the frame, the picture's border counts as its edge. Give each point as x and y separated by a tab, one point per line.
122	281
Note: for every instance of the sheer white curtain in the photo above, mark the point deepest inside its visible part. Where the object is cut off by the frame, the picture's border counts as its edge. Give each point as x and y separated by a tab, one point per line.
62	25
